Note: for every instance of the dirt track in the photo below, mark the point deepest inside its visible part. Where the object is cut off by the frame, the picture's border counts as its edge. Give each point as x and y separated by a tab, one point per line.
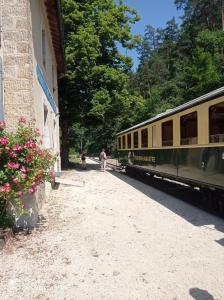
107	236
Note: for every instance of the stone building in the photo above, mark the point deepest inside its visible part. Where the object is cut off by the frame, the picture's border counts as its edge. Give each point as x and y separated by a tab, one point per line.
31	58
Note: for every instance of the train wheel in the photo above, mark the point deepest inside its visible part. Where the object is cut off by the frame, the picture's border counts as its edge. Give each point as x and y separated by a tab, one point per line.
220	203
207	200
131	172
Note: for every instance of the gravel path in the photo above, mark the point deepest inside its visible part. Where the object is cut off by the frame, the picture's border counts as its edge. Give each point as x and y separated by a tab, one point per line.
107	236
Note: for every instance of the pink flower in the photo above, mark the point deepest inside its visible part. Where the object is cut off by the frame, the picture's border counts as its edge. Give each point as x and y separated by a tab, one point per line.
22	120
40	152
4	141
13	155
23	176
30	144
2	125
15	180
5	188
28	159
12	165
17	147
31	190
20	194
23	170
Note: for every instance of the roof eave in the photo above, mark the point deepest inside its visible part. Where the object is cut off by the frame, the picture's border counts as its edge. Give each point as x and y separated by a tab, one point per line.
54	15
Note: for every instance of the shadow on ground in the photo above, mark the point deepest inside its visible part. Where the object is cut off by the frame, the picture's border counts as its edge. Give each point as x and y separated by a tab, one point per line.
199	294
178	199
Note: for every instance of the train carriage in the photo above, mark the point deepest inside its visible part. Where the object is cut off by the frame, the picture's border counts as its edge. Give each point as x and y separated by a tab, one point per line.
185	144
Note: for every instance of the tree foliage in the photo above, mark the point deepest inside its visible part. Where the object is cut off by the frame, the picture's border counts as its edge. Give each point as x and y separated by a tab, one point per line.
100	93
95	89
178	63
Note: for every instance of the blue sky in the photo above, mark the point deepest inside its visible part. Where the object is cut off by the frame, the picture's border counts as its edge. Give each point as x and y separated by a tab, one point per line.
153	12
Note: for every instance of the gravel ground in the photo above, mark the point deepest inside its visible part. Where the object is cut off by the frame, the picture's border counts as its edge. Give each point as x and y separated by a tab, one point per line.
107	236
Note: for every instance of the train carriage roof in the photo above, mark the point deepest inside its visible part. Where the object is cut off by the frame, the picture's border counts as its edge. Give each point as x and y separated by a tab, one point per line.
194	102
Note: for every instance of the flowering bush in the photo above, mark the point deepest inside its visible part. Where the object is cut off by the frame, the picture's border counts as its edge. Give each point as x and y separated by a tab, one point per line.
23	165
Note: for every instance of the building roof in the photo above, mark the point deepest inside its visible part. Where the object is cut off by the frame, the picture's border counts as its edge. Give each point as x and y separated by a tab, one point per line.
54	16
194	102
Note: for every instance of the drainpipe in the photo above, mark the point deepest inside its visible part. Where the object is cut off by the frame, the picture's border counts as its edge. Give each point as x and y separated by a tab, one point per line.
1	92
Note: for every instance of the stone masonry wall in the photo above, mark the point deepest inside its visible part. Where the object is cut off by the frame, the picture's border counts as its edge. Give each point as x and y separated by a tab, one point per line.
17	60
17	53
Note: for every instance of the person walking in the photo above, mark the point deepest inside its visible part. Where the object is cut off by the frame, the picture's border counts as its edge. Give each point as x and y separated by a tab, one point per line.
103	159
83	160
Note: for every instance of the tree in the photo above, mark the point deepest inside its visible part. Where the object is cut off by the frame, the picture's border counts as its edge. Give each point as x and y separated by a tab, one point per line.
184	62
94	90
148	44
168	47
200	14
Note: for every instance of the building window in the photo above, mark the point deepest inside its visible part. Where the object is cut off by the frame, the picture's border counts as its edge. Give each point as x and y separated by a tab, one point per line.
154	136
216	123
124	142
129	140
167	133
44	48
136	139
189	129
144	136
119	143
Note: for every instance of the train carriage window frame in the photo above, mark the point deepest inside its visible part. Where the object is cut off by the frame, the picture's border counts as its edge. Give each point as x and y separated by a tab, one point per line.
189	129
129	140
144	138
167	133
216	123
135	137
124	142
119	142
154	143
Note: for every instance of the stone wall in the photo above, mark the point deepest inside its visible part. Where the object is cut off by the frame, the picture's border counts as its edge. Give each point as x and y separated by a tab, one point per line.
22	22
17	52
18	77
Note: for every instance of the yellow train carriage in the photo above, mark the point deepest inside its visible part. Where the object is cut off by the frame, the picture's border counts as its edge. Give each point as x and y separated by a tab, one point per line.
185	143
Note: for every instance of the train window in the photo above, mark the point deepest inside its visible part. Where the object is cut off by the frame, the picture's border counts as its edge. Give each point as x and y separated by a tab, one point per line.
136	139
124	142
144	136
167	133
216	123
119	143
154	136
189	129
129	140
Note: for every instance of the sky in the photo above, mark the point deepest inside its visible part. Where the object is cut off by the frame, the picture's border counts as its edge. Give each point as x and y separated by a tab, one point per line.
153	12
